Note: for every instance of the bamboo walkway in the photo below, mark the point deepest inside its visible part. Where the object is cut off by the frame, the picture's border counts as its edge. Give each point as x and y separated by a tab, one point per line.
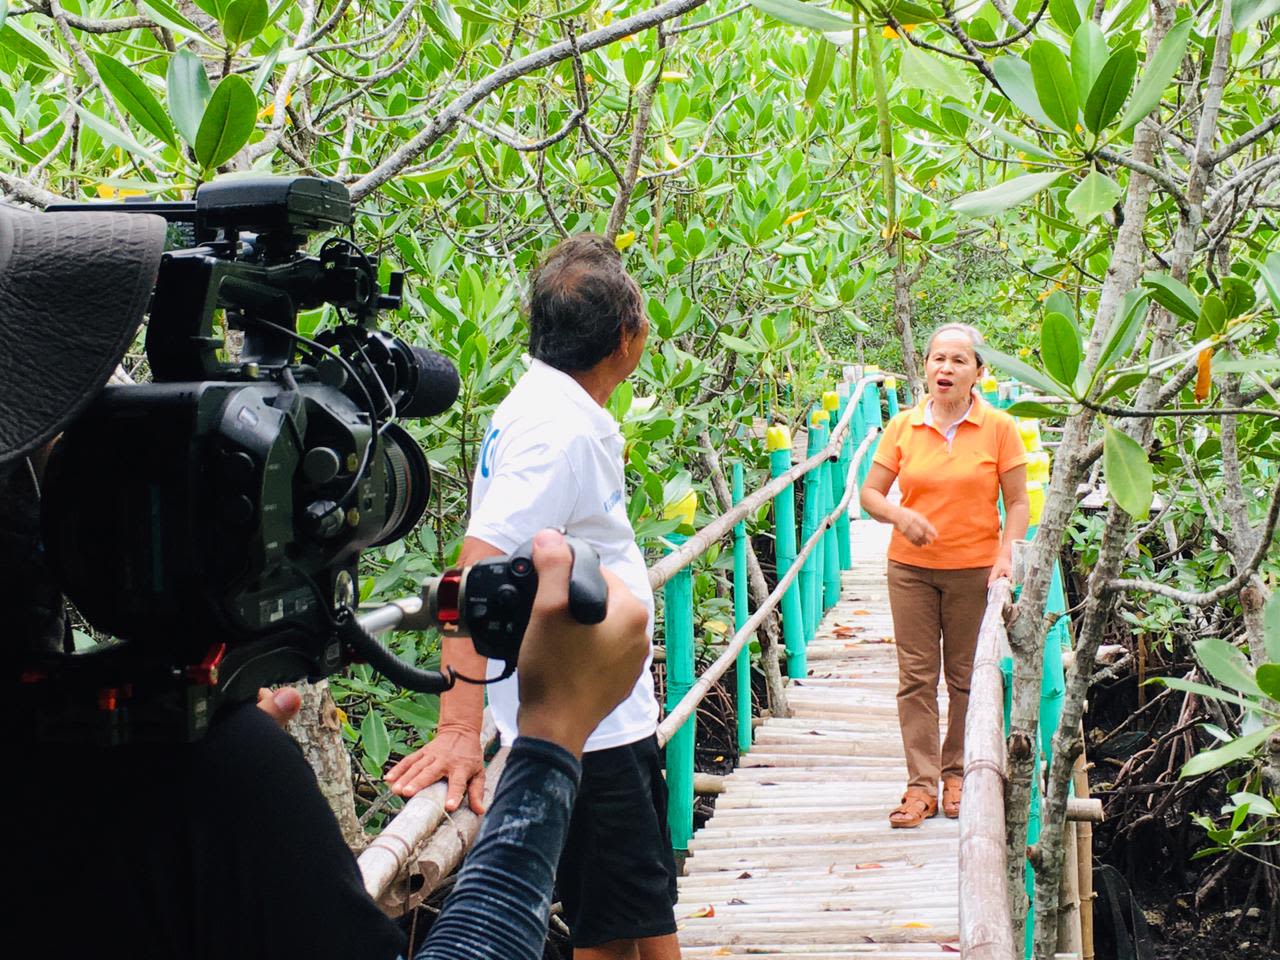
799	859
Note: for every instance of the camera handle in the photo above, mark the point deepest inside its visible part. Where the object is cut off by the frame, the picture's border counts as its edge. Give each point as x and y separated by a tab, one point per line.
387	663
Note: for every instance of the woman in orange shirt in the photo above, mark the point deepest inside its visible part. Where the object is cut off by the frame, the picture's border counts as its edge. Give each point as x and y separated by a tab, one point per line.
952	455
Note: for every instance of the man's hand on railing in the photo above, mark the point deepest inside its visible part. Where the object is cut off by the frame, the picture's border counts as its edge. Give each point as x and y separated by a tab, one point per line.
280	705
455	755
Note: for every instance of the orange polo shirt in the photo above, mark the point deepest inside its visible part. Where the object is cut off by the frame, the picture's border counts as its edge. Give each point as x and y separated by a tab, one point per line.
953	484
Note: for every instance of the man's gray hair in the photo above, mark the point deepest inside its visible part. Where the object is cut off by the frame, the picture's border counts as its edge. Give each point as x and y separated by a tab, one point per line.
975	338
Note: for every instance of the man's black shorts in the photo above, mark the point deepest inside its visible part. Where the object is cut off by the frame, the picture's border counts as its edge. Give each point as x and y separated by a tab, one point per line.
617	876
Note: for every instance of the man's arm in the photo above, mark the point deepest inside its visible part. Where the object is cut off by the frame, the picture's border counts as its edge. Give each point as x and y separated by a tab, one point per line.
455	753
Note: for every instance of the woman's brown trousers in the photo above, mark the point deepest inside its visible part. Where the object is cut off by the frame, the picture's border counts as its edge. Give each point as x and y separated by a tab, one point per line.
929	605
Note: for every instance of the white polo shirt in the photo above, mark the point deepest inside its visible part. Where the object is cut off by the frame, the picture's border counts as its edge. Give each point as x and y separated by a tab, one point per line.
552	457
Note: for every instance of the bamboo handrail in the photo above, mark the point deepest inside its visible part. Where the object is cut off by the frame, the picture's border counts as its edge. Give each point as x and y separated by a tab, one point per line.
702	686
697	544
986	932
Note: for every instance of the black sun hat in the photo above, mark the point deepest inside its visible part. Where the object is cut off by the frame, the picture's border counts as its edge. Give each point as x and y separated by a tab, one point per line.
73	290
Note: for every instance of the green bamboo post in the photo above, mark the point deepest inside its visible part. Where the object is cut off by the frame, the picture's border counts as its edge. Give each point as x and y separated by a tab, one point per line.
843	544
778	443
678	613
809	574
742	670
821	484
891	395
858	430
834	488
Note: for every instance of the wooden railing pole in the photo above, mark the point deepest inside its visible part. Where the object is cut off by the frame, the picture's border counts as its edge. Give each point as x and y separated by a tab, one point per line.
778	443
742	671
833	486
843	544
810	579
678	613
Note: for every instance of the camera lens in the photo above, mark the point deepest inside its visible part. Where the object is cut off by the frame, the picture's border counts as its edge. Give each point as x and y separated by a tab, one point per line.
408	480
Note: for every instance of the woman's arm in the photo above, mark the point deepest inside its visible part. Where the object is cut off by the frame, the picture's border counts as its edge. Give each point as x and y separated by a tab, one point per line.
1017	512
914	526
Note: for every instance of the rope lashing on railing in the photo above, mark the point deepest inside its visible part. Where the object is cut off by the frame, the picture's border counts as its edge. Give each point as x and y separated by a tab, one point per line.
986	932
677	717
697	544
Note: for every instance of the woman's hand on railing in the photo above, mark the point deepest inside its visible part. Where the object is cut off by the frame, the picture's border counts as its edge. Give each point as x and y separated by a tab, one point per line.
1003	567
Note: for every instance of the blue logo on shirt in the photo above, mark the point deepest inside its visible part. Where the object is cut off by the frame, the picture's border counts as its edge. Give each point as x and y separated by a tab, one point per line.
486	451
614	499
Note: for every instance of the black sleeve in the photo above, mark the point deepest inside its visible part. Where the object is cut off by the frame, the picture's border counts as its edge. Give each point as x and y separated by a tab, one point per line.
500	906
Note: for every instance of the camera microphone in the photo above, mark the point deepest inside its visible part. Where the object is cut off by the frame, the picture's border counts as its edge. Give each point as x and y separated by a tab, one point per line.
437	385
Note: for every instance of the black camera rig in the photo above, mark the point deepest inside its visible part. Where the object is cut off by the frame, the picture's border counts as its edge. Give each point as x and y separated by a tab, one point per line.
213	518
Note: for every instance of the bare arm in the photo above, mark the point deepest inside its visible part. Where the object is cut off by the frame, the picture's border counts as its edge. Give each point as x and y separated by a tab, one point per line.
912	525
1017	512
455	753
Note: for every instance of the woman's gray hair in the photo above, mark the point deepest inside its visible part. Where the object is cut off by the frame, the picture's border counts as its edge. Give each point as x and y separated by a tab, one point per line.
975	338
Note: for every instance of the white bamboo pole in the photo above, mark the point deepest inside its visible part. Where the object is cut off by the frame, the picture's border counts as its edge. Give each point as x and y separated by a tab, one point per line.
702	686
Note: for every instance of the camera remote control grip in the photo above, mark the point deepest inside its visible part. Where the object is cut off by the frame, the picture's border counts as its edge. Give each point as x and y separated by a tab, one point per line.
588	593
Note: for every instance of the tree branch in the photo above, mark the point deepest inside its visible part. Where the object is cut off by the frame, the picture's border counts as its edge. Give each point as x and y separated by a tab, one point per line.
450	116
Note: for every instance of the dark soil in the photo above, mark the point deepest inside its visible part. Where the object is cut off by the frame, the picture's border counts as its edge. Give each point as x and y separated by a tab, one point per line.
1222	906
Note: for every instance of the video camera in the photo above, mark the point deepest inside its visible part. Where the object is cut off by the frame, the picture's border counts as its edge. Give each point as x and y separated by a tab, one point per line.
213	518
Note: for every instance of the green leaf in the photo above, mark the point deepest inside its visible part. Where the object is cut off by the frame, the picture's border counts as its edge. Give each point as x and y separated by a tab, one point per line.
243	20
1213	317
1127	471
167	15
422	714
1128	320
1204	690
4	12
1173	295
1033	410
1060	349
1054	87
1245	13
1093	196
1271	627
738	345
1268	678
1258	806
1238	749
1017	84
1089	52
1270	272
804	15
633	61
912	118
29	46
1059	302
824	64
1111	89
1159	70
922	71
1065	14
374	739
113	135
134	97
1018	143
1251	365
997	199
1023	372
227	122
189	93
1227	664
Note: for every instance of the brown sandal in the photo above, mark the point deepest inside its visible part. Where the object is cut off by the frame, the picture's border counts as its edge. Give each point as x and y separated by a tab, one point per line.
951	788
917	806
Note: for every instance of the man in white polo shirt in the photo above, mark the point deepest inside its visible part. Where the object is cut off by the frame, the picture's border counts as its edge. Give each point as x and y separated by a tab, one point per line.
552	457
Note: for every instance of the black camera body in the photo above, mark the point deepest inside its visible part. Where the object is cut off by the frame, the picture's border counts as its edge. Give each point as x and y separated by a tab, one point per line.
213	519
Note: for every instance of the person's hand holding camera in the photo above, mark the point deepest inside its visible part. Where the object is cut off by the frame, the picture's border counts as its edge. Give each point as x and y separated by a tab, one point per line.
571	675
